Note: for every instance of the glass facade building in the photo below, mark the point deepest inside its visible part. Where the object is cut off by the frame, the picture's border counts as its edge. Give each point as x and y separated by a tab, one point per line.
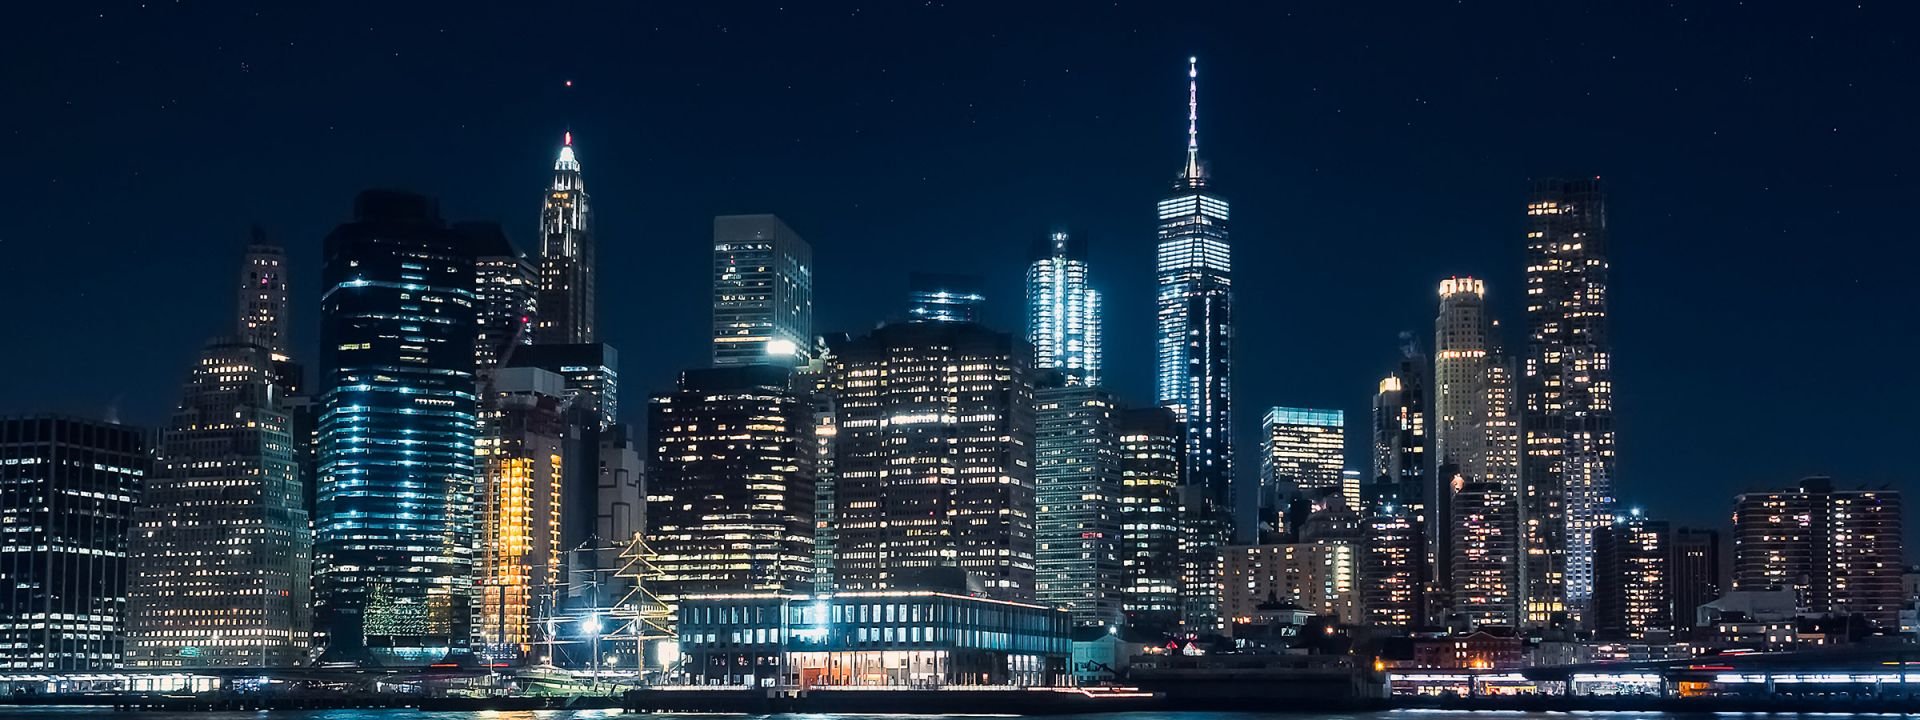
933	459
730	491
1303	450
944	297
566	299
1193	269
1151	449
1063	309
395	531
68	489
1566	389
506	287
897	638
1078	484
762	292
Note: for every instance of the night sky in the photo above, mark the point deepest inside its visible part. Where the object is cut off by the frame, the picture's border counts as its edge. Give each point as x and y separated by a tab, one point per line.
1761	160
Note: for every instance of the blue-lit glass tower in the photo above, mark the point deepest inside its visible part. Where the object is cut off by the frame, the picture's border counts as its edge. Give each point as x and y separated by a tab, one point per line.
1063	309
1195	318
396	521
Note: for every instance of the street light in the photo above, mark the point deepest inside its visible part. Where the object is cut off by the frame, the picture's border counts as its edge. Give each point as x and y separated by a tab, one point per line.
591	626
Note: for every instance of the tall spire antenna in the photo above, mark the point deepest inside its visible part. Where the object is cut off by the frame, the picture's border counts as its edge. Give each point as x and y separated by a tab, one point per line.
1193	174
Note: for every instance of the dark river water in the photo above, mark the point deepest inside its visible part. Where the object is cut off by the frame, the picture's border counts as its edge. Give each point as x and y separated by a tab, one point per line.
70	713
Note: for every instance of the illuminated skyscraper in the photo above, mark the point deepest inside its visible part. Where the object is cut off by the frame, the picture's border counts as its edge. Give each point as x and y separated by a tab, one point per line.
1400	440
1194	341
1838	550
395	533
1400	435
263	295
1078	484
566	257
934	457
522	448
1063	309
222	550
762	292
1150	453
1461	336
1632	595
1484	554
1566	387
505	288
67	493
730	493
1393	548
944	297
1303	450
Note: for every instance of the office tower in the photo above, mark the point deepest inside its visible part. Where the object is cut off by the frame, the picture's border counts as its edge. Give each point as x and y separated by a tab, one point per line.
934	457
221	553
1838	550
1078	482
1400	436
68	489
566	300
395	531
1485	561
1633	578
1302	450
1151	448
1193	344
521	447
505	287
263	295
1393	549
1503	423
591	372
730	487
1063	309
762	292
1566	388
1204	533
944	297
1461	337
817	379
1320	576
1695	574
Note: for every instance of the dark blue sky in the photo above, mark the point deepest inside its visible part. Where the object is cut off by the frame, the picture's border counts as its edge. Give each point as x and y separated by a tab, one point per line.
1761	157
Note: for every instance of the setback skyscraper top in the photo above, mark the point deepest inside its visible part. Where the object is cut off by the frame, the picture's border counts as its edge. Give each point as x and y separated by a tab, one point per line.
1195	317
263	296
566	257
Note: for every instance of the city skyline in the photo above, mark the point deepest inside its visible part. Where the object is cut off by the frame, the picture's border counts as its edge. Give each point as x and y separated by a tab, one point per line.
1118	264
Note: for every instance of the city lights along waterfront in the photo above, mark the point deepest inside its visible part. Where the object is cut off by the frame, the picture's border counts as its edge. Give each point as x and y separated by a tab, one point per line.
1069	418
